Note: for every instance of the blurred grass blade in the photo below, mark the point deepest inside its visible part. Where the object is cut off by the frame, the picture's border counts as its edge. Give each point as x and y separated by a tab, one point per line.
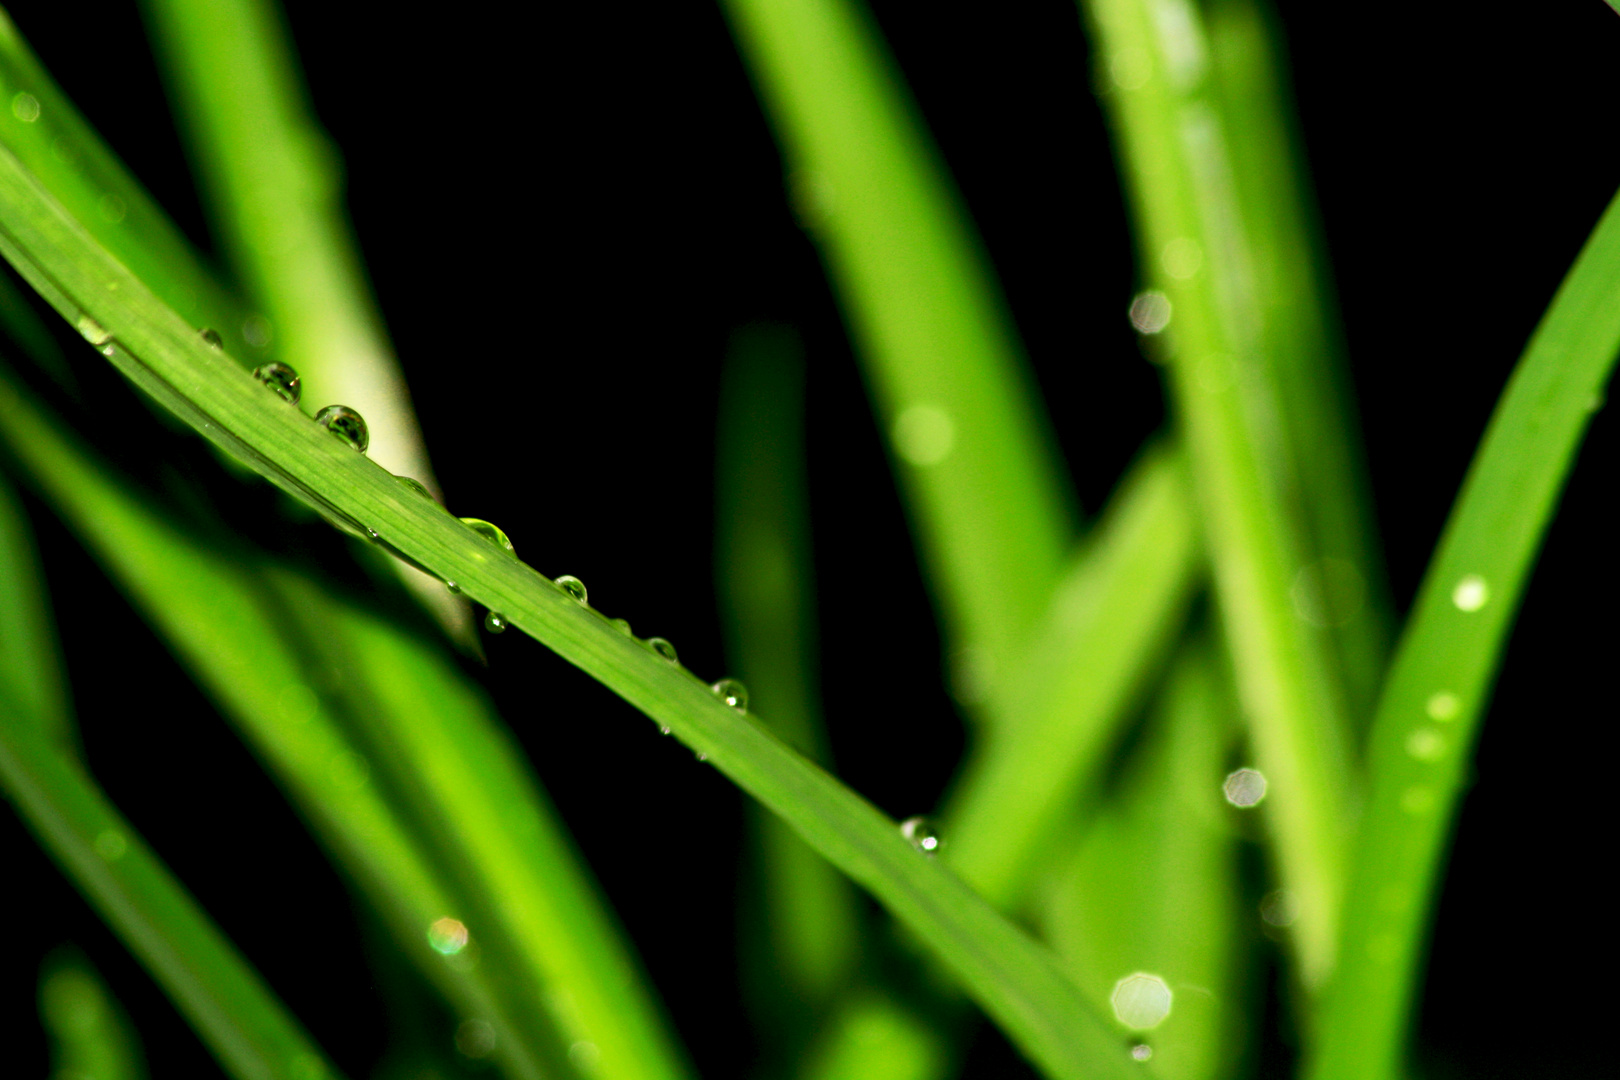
1109	625
808	940
1011	977
396	760
30	663
1343	586
90	1035
1192	245
1152	886
986	492
42	128
1441	678
874	1038
247	1029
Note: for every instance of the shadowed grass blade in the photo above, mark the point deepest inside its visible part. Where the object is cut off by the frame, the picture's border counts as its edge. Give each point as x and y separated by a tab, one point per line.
1012	978
247	1029
990	510
1193	247
90	1034
30	665
1441	678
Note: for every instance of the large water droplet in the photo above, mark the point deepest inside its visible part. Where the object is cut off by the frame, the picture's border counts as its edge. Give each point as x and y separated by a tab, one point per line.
211	337
495	622
343	422
733	693
490	532
1141	1052
1141	1001
1471	593
288	387
453	587
621	625
922	834
1245	788
663	648
574	587
415	486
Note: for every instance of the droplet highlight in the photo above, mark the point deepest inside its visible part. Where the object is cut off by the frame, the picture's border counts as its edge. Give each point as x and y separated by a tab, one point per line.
924	434
574	587
1244	788
1141	1001
495	622
1426	744
211	338
1141	1052
663	648
922	834
447	936
490	532
1471	593
1443	706
1150	312
733	693
289	388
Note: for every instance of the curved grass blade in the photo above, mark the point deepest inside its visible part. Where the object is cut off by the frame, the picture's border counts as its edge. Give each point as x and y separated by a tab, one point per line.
991	513
1447	660
90	1034
1193	246
1012	978
238	1017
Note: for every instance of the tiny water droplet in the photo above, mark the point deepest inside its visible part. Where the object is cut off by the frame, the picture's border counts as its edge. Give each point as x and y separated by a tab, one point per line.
1245	788
111	845
663	648
662	730
922	834
574	587
1471	593
285	382
495	622
1426	744
25	107
372	534
621	625
1150	312
1443	706
490	532
1141	1052
733	693
1278	908
92	331
414	485
211	337
256	331
701	756
453	587
343	422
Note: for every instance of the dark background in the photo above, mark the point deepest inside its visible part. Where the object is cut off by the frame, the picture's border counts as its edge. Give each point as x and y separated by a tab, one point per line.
619	213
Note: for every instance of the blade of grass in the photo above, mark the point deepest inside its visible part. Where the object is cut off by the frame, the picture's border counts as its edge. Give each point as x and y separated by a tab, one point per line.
1109	625
809	939
1012	978
1441	678
29	661
1152	885
246	1028
1293	296
876	1038
1180	183
90	1034
990	510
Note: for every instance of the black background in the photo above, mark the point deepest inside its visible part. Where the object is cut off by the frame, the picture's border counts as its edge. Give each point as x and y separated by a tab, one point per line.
567	211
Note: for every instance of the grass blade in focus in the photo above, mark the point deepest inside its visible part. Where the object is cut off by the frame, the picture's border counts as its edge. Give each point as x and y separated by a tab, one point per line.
1441	678
1016	981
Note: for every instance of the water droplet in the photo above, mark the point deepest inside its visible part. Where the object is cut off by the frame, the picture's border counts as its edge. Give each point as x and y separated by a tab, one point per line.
1443	706
286	383
1279	908
111	845
1471	593
345	423
1182	258
415	486
453	587
700	755
492	533
924	434
111	208
25	107
663	648
663	730
1141	1052
1245	788
447	936
495	622
1426	744
922	834
1141	1001
256	331
733	693
621	625
475	1039
574	587
1150	312
211	337
92	331
372	534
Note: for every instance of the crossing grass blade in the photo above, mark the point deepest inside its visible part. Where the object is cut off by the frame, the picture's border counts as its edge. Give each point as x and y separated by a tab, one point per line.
1192	246
990	510
1440	681
1012	978
248	1030
89	1032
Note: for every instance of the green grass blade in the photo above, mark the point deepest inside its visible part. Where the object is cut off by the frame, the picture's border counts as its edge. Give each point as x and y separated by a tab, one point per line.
90	1034
1180	183
41	126
1441	678
987	495
1152	885
1293	295
766	585
30	664
1012	978
875	1038
1108	627
247	1029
